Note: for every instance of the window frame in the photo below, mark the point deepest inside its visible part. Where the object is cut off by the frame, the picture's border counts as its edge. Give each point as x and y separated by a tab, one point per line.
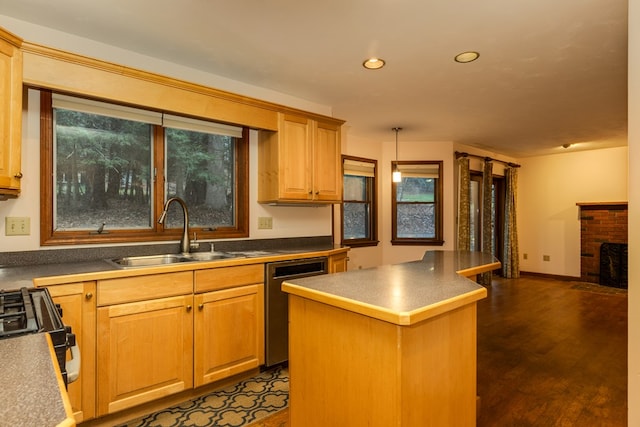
438	239
157	232
371	192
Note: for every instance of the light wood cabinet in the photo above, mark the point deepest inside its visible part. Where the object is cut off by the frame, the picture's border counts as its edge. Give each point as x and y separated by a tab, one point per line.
338	263
145	351
78	304
10	114
229	333
301	162
153	343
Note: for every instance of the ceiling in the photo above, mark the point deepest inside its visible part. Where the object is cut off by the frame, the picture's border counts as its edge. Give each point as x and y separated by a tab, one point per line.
549	73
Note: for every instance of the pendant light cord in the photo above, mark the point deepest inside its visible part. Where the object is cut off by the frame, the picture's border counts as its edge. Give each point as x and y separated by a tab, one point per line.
397	130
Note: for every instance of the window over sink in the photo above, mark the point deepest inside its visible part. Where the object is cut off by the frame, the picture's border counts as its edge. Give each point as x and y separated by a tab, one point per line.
107	170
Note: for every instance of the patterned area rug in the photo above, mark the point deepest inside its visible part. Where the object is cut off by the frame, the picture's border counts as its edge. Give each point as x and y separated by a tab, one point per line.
234	406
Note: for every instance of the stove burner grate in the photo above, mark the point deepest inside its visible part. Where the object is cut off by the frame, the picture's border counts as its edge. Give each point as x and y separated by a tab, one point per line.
17	313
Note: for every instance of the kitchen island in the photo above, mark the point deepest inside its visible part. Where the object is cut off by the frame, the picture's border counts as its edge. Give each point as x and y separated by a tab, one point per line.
388	346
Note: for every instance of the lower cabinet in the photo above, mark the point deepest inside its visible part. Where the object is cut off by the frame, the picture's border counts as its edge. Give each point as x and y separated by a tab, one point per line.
338	263
78	304
151	345
229	332
145	351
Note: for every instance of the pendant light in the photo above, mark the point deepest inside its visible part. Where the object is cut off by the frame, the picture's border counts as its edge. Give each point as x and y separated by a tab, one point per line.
396	175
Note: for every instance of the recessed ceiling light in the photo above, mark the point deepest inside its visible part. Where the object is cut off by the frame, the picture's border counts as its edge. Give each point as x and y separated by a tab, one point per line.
465	57
373	63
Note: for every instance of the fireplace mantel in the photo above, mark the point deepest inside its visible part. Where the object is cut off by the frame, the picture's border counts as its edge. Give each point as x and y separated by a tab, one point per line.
602	205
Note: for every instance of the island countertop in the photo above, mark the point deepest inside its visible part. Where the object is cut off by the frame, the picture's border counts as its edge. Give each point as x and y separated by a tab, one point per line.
403	294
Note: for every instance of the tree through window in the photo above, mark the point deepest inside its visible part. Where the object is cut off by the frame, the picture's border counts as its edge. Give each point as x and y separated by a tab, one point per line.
114	166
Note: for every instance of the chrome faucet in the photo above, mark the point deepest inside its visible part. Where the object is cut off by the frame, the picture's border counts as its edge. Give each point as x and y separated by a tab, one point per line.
185	245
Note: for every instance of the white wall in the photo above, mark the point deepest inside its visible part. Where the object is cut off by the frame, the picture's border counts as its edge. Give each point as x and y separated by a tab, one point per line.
385	152
634	215
548	189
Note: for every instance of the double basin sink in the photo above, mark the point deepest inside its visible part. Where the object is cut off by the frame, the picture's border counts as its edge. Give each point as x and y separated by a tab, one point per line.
163	259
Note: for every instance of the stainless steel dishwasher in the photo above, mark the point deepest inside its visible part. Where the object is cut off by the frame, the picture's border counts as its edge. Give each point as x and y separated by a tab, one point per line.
277	303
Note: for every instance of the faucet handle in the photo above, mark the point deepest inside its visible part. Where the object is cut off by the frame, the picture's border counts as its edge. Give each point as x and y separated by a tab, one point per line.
194	244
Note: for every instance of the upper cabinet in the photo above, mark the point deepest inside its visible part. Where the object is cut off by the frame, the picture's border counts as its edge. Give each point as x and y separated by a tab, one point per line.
301	162
10	114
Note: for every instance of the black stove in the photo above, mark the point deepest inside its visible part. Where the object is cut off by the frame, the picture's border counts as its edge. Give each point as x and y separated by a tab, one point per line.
30	311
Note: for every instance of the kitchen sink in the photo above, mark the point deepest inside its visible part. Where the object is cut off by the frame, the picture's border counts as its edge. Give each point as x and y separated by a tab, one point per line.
149	260
211	256
156	260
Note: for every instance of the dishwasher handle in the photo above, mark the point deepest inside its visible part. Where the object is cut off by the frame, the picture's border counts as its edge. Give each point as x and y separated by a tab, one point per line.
300	268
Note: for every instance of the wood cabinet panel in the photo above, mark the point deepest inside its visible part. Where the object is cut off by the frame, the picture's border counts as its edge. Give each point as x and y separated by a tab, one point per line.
10	114
338	263
77	301
327	169
229	333
145	351
301	162
139	288
227	277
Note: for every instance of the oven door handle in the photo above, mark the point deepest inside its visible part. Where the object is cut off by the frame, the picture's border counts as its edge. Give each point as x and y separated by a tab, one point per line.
73	365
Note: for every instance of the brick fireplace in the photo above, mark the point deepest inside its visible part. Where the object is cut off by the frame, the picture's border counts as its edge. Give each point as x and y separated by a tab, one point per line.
604	222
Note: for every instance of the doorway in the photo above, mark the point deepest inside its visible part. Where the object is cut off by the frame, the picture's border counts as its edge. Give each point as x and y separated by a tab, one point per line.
497	214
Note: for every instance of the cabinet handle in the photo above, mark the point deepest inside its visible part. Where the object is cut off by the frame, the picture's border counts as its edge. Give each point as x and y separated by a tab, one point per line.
88	296
188	308
201	306
18	175
310	192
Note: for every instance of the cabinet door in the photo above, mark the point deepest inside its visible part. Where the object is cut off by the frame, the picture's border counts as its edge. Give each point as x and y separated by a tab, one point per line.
327	169
338	263
10	114
295	156
229	332
77	301
145	351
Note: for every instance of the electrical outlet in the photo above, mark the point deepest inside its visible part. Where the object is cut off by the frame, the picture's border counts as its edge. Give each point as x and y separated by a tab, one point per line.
17	226
265	223
546	257
525	256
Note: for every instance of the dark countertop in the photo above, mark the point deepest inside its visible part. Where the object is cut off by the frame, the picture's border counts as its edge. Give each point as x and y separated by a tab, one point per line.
31	394
403	294
14	277
22	276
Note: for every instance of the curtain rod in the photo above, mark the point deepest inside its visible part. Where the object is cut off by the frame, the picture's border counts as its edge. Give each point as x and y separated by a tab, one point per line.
486	159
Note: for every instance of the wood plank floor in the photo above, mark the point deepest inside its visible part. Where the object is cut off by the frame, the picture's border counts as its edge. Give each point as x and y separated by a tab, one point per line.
550	353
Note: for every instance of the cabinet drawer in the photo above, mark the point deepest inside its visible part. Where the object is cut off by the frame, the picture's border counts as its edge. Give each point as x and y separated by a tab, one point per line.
227	277
139	288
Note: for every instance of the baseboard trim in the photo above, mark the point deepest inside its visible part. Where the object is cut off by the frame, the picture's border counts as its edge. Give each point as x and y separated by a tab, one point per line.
552	276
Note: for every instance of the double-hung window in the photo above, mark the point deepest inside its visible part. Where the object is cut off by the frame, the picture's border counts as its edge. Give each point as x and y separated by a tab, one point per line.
107	170
417	203
359	212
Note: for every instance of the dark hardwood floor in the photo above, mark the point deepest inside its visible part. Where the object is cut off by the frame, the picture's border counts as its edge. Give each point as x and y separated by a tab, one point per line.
550	353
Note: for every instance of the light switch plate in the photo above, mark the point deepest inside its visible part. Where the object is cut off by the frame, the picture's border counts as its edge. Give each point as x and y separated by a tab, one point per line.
265	223
17	226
